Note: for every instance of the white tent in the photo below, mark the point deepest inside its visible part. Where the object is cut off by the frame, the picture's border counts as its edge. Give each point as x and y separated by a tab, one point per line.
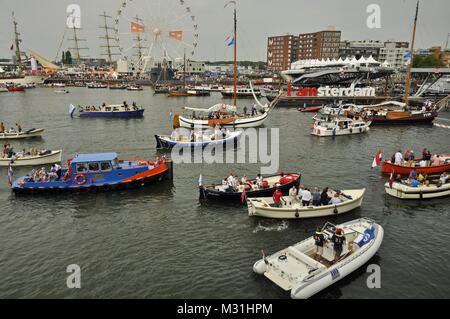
371	60
1	70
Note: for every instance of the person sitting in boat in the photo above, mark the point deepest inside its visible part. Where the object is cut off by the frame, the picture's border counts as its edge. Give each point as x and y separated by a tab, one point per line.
426	155
80	108
259	181
319	239
410	159
422	178
412	174
19	128
443	178
135	108
225	184
324	198
230	181
277	195
315	197
338	240
244	180
306	197
56	169
414	183
436	160
423	163
335	200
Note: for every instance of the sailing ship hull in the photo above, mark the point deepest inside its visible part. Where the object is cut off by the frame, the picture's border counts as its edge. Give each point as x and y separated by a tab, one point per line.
230	94
387	167
28	79
253	121
166	142
125	114
412	119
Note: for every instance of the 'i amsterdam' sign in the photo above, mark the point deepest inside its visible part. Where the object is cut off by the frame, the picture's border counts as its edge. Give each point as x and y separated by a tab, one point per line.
328	91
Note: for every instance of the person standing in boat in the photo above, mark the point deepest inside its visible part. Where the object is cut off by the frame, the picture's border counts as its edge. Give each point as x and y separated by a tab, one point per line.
324	198
306	197
338	240
293	194
254	111
277	195
318	240
259	181
398	158
245	110
316	197
2	127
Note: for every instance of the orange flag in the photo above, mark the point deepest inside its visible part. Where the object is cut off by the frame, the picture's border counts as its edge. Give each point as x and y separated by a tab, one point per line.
137	28
178	35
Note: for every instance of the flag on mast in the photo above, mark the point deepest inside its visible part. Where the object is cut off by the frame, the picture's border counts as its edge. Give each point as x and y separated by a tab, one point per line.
137	28
230	40
177	35
71	110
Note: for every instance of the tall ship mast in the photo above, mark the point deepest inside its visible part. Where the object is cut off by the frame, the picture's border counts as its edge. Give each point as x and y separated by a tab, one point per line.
77	49
408	76
108	46
139	47
17	42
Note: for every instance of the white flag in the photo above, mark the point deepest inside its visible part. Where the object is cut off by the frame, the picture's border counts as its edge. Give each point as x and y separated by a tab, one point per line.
200	181
71	109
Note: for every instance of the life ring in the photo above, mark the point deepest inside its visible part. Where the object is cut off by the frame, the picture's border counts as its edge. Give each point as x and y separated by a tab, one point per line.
79	179
282	257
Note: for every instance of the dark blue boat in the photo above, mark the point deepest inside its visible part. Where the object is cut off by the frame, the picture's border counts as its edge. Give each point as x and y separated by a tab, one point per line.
115	111
97	172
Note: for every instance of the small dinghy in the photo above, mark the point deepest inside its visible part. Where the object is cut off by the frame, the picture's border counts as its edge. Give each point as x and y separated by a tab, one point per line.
135	88
34	132
61	91
301	271
186	138
94	173
266	188
264	207
434	189
41	158
335	126
314	108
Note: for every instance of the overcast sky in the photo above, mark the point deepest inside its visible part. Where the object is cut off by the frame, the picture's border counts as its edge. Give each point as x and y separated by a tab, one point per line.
42	22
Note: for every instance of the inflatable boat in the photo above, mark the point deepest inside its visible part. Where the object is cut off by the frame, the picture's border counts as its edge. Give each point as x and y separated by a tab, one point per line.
299	270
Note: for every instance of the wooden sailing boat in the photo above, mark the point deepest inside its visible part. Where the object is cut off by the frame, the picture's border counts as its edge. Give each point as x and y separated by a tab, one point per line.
401	113
183	91
228	117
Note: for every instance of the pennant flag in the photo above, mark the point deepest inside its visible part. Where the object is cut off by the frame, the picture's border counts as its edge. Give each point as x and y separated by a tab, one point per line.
391	179
377	159
407	56
178	35
137	28
243	196
10	174
230	40
200	181
71	110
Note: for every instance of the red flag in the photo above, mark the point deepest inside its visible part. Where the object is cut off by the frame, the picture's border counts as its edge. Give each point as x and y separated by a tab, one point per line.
243	196
178	35
391	179
137	28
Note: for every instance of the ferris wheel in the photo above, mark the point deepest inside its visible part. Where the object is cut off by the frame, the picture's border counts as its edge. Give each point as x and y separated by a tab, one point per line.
152	32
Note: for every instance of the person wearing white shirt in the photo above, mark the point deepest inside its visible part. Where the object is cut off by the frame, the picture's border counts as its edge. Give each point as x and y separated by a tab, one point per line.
244	180
423	163
306	197
259	181
293	193
335	200
230	181
398	158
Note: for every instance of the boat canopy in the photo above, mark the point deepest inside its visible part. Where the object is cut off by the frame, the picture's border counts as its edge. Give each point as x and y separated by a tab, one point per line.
95	157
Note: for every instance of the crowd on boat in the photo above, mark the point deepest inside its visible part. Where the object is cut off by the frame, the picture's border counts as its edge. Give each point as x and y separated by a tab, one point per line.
8	152
44	175
18	129
92	108
407	158
307	196
416	179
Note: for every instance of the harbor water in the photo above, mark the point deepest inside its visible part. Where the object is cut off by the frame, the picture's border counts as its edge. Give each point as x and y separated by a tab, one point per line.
161	242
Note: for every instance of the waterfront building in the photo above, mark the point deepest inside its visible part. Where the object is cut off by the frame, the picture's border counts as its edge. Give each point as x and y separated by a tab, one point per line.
281	52
358	49
393	54
319	45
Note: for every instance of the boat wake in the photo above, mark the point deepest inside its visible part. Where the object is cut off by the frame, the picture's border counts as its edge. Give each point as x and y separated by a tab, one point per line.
277	227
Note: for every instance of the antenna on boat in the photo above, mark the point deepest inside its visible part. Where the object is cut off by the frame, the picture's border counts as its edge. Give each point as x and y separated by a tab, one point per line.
408	77
235	51
107	38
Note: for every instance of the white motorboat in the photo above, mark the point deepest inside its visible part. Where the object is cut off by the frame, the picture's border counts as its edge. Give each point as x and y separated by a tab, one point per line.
3	89
404	191
334	126
43	157
34	132
241	92
61	91
263	206
296	270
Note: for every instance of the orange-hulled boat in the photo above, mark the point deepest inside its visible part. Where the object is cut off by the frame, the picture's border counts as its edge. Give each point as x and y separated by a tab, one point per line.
388	167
